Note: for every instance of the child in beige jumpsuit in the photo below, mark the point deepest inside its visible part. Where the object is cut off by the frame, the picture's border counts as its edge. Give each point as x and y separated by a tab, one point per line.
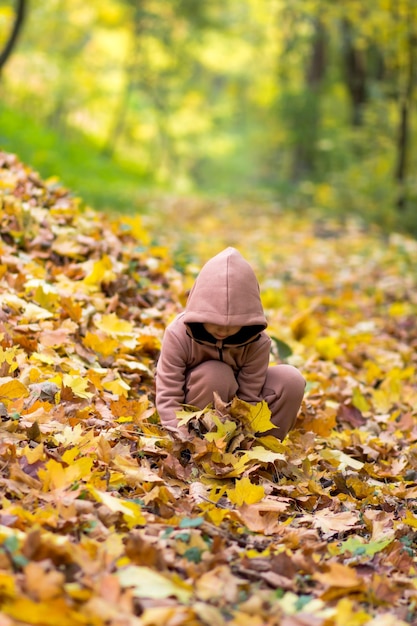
219	344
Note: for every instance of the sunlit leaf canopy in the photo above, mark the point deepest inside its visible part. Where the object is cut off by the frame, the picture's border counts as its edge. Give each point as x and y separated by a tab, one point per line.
308	101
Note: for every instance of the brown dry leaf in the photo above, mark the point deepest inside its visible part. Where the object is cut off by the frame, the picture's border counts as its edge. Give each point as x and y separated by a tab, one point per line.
218	584
330	523
42	581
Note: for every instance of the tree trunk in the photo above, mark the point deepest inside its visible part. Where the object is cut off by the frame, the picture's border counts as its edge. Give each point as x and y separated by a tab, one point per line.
404	125
12	40
309	107
355	73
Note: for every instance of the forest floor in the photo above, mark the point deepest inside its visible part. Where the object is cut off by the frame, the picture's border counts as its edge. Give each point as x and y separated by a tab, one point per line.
105	520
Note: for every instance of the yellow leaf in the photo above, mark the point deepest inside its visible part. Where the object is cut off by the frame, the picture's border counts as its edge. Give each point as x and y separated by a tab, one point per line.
258	453
342	458
77	385
328	348
103	345
9	356
398	309
102	271
118	387
347	614
239	466
71	454
382	400
44	357
245	492
35	313
359	401
216	493
185	416
113	325
46	296
48	613
256	417
131	511
272	443
136	227
225	430
410	520
70	436
7	585
304	324
10	389
79	469
217	515
34	454
55	476
147	583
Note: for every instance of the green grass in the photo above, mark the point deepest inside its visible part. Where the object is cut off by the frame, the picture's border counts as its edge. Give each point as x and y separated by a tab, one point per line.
76	161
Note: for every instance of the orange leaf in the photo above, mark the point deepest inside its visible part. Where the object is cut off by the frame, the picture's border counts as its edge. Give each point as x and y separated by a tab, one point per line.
11	389
339	575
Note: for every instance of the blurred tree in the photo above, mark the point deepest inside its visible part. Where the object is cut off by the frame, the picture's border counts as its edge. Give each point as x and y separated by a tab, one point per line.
354	62
17	25
302	67
305	153
406	97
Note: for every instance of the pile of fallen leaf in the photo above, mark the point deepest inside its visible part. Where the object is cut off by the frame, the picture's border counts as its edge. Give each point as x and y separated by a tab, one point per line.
105	520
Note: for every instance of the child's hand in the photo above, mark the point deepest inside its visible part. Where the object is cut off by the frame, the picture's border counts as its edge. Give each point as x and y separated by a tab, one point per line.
180	433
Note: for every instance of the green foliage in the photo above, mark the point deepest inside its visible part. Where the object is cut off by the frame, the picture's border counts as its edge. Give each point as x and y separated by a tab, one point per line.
76	160
299	101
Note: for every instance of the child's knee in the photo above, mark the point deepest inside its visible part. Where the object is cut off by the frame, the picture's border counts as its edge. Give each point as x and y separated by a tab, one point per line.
208	377
287	380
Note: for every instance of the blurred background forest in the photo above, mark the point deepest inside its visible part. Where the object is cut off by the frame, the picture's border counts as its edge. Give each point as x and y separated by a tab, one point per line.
309	104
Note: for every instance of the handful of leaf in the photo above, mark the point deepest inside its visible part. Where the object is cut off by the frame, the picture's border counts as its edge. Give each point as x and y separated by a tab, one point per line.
230	438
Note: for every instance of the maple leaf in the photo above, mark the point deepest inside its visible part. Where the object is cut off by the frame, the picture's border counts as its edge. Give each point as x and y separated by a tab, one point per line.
225	430
245	492
257	418
8	358
339	576
49	612
330	523
185	416
77	384
118	387
10	388
357	546
342	460
146	583
113	325
102	271
131	511
258	453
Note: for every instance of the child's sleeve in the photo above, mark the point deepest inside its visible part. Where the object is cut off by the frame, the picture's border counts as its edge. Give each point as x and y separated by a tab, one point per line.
170	380
252	375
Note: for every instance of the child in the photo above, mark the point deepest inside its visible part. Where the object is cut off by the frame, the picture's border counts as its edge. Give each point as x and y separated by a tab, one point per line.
219	344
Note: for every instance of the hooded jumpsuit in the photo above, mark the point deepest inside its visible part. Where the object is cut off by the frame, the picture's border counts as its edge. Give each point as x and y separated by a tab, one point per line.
193	364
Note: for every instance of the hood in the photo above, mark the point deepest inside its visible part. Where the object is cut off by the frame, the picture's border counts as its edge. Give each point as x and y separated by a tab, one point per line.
226	292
